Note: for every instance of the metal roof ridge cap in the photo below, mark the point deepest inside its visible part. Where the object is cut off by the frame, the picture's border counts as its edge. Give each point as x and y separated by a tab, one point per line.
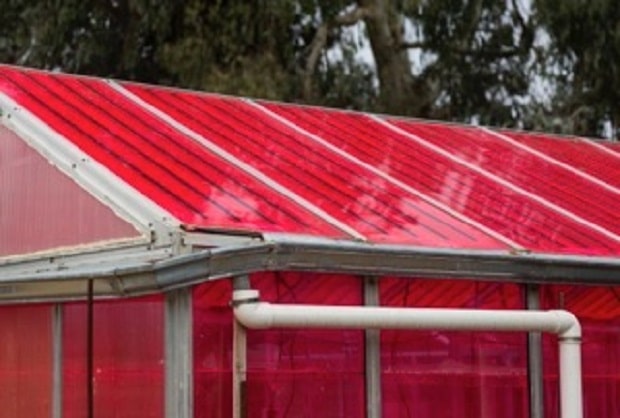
409	189
245	167
91	176
551	160
497	179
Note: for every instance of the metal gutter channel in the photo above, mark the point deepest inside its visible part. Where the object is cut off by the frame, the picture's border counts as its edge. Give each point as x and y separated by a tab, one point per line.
129	278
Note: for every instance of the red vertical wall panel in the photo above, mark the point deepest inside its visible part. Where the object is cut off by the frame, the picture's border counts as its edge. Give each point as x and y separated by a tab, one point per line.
212	318
453	374
41	208
128	359
26	361
598	310
291	373
298	373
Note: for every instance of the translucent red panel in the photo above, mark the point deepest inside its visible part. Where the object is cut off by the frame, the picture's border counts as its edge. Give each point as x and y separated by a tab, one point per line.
41	208
376	208
598	311
523	169
212	338
453	374
586	156
26	361
515	216
290	372
171	169
128	359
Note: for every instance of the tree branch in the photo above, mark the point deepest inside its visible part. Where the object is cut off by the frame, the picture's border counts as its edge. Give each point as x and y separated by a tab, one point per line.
413	45
320	39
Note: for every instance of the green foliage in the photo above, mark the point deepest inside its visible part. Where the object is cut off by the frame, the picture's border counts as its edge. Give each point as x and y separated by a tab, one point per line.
479	57
586	55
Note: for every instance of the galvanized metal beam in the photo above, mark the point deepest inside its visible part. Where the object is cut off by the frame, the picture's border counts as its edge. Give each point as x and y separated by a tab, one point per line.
178	354
126	278
534	358
373	353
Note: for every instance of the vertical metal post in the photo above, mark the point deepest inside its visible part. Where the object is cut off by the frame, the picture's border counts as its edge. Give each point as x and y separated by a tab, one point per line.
373	353
57	361
90	348
534	357
178	354
239	357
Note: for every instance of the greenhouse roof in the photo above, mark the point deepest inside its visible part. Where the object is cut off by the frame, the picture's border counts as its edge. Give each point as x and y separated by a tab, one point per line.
180	163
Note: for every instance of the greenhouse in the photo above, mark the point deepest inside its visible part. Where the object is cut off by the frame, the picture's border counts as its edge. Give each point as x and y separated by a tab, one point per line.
170	253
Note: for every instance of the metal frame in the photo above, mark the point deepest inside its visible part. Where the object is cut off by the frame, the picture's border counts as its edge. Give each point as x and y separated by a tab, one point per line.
178	354
534	357
128	277
372	353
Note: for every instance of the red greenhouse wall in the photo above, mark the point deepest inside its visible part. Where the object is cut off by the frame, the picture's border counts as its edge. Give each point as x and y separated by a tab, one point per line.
128	359
26	361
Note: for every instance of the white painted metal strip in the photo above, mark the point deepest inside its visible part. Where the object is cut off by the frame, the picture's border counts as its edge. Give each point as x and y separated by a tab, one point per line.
93	177
600	147
387	177
552	160
231	159
556	208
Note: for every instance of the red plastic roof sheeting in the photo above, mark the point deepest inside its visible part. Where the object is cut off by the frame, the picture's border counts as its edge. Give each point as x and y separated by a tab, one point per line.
222	162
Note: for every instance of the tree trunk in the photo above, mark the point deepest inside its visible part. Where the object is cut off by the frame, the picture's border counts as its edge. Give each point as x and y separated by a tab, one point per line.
393	66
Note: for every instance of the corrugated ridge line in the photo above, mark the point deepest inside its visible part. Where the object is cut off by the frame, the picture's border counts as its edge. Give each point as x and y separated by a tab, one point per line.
552	160
226	156
601	148
387	177
92	176
564	212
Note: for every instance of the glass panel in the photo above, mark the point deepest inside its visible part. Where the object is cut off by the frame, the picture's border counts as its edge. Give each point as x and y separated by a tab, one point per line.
598	310
453	374
26	361
128	359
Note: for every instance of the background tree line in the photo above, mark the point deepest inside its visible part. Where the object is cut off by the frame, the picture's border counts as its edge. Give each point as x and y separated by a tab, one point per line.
548	65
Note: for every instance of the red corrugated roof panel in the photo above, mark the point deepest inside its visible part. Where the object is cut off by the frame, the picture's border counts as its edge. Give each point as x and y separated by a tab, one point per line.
515	215
166	166
216	161
588	156
377	209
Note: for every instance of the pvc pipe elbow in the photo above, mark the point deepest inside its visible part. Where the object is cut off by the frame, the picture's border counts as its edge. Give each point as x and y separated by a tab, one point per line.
569	327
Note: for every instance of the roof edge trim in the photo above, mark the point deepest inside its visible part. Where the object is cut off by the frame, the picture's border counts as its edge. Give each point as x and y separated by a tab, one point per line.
94	178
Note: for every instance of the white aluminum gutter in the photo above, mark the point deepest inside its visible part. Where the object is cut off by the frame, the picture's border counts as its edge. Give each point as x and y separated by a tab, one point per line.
253	314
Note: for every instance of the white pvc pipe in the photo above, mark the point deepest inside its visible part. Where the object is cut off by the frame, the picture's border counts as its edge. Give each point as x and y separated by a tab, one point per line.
261	315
